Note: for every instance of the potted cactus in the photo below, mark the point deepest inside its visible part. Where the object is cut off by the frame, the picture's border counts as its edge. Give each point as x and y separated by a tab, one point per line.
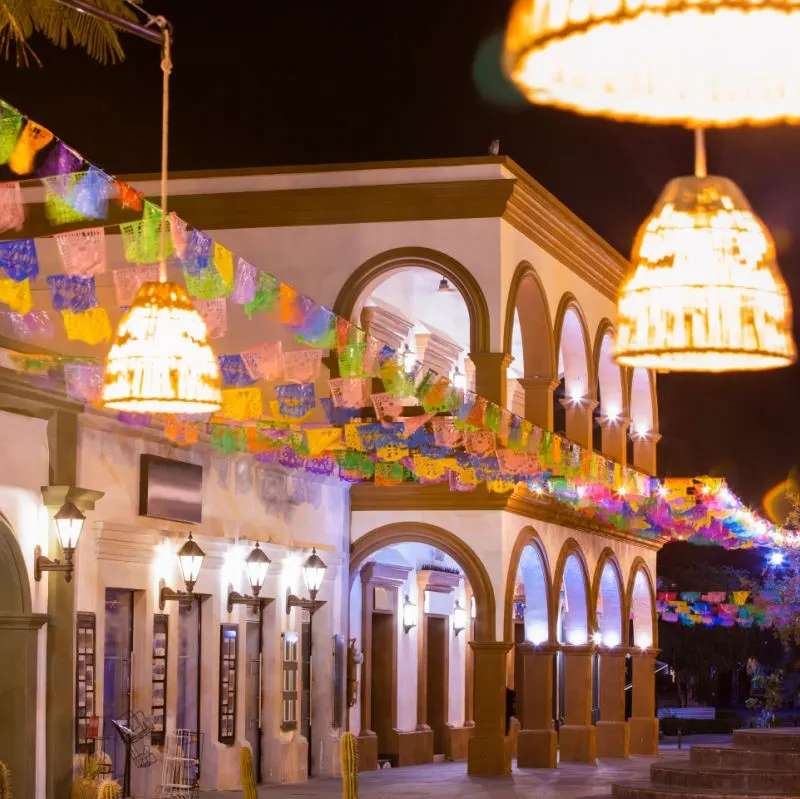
109	789
84	786
5	782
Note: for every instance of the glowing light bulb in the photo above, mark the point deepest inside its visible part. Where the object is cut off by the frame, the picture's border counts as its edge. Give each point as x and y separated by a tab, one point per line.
776	558
597	638
581	491
662	490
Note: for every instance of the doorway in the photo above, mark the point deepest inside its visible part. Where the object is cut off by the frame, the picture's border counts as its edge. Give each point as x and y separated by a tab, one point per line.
189	640
383	694
252	703
117	686
438	679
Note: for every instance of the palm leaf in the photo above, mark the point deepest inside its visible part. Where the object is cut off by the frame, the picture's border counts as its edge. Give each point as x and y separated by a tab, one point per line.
22	20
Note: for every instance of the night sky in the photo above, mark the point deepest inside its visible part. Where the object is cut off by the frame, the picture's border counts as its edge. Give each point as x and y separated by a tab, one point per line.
278	83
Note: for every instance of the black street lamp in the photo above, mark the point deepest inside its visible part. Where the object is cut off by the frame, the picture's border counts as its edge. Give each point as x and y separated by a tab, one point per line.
313	573
190	559
69	523
257	565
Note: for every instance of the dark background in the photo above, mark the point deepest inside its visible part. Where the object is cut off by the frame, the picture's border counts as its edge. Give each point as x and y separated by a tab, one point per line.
273	83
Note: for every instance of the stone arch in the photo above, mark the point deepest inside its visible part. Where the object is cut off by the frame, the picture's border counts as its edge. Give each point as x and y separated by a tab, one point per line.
527	297
357	286
529	555
573	348
572	572
641	604
608	599
643	403
15	588
449	543
610	376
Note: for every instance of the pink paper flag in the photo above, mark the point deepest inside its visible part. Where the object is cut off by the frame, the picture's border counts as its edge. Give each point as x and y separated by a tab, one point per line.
179	234
302	366
215	315
413	423
445	433
12	208
264	361
350	392
387	407
479	442
83	252
129	280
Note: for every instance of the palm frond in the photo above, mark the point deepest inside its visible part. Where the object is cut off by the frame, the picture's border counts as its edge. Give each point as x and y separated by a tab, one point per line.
21	20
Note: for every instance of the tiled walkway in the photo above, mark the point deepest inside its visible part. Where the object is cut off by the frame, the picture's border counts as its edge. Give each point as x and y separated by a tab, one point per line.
449	781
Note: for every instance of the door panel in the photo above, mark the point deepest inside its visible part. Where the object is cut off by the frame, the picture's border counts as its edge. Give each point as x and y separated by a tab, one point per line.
253	693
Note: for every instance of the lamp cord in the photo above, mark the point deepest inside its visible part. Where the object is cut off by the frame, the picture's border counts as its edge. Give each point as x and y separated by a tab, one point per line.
166	68
699	153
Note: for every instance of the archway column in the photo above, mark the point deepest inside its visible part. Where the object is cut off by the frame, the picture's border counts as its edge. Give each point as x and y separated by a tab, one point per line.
580	418
490	375
577	736
615	438
539	400
644	452
422	655
489	747
643	722
537	742
613	734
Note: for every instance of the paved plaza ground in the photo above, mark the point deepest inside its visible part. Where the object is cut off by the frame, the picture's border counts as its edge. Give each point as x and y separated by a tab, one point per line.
449	780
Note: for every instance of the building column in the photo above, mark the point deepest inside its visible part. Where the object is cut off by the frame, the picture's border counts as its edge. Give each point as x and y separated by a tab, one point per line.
469	661
60	713
537	742
643	722
490	375
539	400
615	439
489	748
422	654
577	735
613	735
580	420
644	452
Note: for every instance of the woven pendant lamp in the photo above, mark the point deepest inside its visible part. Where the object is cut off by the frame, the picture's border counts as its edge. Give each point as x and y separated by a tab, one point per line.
693	62
704	293
161	360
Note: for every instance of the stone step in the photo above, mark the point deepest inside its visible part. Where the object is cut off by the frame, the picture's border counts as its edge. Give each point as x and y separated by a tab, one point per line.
644	789
731	781
780	740
732	757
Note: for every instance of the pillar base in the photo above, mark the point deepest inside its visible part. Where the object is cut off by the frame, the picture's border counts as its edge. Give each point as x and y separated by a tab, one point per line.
577	743
537	749
643	736
489	756
613	739
367	752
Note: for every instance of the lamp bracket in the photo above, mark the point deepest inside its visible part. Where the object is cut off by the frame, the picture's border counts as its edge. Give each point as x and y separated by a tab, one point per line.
166	594
312	605
256	602
41	563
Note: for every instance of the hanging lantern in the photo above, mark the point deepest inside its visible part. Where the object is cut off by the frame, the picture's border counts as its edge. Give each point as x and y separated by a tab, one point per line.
724	63
161	361
704	293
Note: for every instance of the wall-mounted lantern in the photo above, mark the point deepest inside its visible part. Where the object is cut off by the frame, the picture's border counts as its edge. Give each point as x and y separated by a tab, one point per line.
257	565
313	574
409	615
459	618
69	523
190	560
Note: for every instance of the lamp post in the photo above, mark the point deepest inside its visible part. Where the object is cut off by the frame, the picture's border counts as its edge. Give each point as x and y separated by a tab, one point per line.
190	560
313	574
257	565
69	524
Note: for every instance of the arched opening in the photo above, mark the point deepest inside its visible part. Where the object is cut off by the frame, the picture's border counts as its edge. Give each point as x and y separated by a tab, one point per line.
18	677
528	336
609	605
576	389
423	303
642	610
610	406
643	420
418	595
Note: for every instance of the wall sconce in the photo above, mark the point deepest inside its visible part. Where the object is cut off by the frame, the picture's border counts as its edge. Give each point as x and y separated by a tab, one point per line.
597	638
409	615
459	618
69	523
313	574
190	559
257	565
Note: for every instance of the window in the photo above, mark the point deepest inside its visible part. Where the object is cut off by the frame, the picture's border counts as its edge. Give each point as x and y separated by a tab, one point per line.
289	709
159	678
86	723
227	683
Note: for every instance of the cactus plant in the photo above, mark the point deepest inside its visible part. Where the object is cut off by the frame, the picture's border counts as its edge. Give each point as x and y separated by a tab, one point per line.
349	754
248	776
5	782
109	789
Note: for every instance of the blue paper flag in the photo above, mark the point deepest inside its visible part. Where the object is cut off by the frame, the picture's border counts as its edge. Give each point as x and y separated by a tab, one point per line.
234	372
72	293
18	259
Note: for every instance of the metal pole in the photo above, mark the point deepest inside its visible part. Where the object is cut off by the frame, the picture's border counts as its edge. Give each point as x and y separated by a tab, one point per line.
155	36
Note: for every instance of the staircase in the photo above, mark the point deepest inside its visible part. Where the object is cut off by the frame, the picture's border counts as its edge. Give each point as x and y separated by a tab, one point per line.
762	764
